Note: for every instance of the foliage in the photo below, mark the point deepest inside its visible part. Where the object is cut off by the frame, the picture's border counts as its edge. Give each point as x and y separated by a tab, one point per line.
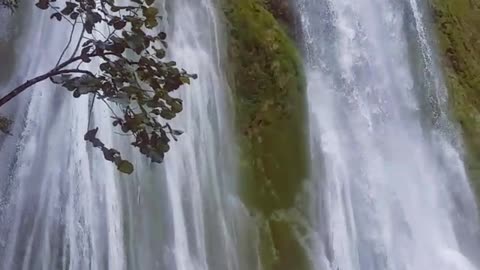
122	43
10	4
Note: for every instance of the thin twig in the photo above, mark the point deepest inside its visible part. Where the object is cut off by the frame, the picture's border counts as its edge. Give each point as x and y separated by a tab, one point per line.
78	43
67	46
108	105
91	109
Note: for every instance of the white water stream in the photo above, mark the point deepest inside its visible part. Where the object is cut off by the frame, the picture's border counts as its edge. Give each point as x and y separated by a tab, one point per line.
391	188
64	207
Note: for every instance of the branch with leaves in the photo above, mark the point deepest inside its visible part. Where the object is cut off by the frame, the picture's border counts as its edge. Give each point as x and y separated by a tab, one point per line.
10	4
131	78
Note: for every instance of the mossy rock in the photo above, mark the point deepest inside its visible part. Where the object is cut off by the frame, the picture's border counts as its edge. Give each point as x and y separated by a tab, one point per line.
458	24
283	12
269	91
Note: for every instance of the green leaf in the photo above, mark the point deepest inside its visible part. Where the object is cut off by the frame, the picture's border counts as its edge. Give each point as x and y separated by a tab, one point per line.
157	157
118	25
150	14
43	4
162	35
167	114
57	16
125	166
176	105
74	15
177	132
160	53
185	80
91	135
76	94
69	8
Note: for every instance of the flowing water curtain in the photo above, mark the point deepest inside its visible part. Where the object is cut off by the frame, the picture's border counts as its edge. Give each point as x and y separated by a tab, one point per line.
384	196
201	176
83	214
58	215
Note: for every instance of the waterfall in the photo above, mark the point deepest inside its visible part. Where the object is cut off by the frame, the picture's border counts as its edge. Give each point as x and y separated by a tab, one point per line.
388	188
64	207
391	191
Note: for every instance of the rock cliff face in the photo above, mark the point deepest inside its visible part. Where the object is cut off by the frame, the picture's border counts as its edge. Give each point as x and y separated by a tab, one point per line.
269	91
458	25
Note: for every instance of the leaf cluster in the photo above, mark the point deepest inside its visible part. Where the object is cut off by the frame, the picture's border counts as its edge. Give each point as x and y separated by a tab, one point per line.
131	73
10	4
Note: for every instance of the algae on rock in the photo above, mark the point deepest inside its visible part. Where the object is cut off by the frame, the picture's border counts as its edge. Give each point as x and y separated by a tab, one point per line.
269	91
458	24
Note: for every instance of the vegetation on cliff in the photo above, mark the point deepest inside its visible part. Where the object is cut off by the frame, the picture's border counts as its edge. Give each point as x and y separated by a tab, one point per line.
267	77
459	39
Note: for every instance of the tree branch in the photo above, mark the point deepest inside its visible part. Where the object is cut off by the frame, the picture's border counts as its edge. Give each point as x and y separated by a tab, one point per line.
78	58
21	88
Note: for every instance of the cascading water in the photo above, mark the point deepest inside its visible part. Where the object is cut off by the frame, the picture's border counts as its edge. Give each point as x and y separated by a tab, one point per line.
64	207
391	190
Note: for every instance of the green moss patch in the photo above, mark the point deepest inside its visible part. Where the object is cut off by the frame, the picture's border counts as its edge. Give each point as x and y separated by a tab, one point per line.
269	91
458	24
